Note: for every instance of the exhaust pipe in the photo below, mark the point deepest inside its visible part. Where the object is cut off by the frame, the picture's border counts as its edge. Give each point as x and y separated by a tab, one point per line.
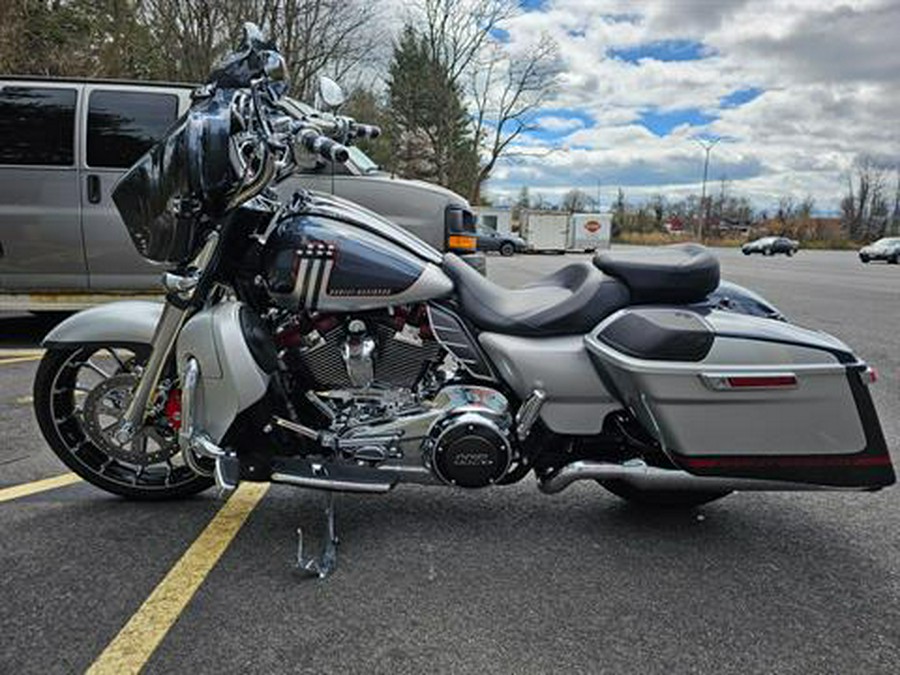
640	475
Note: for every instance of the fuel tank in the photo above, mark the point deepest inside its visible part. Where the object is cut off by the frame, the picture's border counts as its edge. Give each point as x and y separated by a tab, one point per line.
325	255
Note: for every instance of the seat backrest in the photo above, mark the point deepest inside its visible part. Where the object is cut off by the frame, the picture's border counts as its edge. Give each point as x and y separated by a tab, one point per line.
677	274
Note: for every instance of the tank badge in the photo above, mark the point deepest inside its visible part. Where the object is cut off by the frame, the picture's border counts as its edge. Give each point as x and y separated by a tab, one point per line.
312	267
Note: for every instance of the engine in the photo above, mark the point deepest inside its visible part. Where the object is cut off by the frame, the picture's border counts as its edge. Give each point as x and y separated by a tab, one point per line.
393	398
375	351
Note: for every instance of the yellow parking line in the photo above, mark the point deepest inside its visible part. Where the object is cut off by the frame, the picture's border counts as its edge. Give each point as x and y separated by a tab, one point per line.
4	353
20	359
26	489
134	645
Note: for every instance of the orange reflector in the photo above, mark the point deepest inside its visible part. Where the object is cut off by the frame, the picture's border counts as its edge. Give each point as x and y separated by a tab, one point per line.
458	242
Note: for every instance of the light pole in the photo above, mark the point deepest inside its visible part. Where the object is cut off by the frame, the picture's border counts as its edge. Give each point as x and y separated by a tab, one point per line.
707	145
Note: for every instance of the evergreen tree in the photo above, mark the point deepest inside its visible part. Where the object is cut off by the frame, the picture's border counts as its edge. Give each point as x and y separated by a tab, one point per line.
430	124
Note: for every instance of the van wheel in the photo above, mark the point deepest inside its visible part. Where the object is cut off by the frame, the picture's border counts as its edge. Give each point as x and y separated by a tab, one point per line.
894	259
80	393
672	499
507	249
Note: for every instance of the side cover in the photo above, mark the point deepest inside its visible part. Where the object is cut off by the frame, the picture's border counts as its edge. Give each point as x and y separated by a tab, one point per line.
732	395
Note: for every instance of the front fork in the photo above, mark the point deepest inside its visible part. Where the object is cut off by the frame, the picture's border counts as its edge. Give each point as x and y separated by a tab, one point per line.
174	314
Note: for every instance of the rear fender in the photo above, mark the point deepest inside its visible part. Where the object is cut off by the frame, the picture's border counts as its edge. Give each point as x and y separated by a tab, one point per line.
124	322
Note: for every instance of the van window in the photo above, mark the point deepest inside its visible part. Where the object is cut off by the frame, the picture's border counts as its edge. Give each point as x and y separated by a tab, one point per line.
123	125
37	126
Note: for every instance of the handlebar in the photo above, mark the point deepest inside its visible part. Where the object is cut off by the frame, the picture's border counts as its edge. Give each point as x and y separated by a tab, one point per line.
323	146
364	130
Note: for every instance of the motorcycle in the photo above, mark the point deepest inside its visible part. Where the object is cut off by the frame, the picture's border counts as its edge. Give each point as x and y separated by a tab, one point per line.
310	342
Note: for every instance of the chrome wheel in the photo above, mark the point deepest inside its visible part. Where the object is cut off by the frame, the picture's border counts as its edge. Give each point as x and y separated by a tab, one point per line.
80	395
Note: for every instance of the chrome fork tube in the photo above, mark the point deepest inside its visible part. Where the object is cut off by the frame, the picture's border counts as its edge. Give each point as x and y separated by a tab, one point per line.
164	338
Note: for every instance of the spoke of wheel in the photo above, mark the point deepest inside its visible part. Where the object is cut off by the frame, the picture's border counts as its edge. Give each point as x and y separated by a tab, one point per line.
97	369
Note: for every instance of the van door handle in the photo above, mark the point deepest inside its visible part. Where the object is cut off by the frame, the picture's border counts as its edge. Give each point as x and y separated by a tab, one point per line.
93	189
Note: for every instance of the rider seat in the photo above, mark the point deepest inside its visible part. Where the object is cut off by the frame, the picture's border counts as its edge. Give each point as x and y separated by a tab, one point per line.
570	301
677	274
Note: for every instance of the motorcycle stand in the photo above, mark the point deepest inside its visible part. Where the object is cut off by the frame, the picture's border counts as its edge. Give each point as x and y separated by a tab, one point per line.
325	563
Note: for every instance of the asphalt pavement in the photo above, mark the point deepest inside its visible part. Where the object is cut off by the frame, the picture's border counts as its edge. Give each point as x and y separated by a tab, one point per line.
506	580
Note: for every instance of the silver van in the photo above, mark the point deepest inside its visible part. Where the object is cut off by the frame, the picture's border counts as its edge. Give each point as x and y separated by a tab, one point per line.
65	143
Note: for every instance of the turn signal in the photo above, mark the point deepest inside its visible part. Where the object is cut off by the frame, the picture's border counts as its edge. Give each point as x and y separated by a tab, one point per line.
458	242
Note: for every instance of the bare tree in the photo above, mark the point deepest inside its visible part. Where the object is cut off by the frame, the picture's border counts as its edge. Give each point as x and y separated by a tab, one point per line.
313	35
458	30
575	201
507	89
865	208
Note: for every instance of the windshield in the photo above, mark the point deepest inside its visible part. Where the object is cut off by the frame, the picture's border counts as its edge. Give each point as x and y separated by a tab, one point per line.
362	160
888	241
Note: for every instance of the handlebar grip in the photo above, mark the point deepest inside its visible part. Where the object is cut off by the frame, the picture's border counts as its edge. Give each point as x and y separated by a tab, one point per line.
366	131
325	147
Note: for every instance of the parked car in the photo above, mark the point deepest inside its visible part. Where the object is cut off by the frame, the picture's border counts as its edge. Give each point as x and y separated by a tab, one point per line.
887	249
504	243
771	246
64	143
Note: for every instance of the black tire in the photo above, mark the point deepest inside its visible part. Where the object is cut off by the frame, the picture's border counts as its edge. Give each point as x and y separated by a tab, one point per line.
668	499
767	251
55	406
789	253
894	259
864	259
746	252
507	249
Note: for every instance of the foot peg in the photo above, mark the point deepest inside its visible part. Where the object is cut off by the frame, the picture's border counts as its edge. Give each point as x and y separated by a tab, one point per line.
325	563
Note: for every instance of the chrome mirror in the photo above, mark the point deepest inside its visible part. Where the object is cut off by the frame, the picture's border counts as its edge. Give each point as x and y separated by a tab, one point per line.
330	92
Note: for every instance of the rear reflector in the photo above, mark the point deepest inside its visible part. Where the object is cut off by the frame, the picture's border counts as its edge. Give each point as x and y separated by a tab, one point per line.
747	381
762	381
457	242
870	376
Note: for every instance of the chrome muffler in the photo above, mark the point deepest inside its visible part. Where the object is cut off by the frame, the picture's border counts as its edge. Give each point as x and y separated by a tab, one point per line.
642	476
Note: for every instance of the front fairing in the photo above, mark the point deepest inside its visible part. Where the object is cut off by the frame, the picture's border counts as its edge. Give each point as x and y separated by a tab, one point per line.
168	198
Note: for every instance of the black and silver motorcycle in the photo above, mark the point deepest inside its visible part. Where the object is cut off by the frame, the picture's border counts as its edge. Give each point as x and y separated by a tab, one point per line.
308	341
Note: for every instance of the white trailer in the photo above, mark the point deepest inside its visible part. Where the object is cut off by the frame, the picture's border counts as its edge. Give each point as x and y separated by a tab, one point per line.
546	231
590	231
495	218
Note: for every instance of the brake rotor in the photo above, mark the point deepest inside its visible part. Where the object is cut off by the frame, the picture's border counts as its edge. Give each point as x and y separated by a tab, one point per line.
103	410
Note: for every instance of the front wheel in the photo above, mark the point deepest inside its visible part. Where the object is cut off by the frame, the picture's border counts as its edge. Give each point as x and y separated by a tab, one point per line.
507	249
671	499
894	259
864	259
80	396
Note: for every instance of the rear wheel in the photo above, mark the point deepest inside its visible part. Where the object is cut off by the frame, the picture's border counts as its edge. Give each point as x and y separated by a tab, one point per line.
894	259
864	258
507	249
80	396
672	499
789	253
767	251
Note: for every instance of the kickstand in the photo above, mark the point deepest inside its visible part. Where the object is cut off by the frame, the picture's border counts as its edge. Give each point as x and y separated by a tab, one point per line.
322	565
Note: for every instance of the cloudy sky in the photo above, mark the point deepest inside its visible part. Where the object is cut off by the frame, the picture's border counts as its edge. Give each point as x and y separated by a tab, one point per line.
796	90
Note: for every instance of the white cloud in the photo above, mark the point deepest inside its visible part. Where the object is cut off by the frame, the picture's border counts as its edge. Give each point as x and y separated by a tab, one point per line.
558	125
830	71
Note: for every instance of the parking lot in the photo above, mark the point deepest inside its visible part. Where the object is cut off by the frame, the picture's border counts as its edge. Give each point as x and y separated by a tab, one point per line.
504	580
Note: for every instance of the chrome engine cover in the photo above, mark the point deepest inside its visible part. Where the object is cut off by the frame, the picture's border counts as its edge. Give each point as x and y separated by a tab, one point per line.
462	436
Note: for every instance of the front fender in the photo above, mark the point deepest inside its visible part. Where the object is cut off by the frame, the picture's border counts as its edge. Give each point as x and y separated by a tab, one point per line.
124	322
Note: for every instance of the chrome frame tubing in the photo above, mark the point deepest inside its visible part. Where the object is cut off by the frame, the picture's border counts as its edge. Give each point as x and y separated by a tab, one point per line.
164	339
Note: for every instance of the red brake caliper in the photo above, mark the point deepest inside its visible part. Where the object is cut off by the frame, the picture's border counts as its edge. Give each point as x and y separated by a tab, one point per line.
172	409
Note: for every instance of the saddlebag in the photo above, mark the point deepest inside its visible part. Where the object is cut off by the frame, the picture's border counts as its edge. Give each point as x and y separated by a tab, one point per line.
727	394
